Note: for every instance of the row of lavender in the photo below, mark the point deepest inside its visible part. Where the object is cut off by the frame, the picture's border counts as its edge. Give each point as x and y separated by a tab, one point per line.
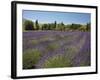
51	49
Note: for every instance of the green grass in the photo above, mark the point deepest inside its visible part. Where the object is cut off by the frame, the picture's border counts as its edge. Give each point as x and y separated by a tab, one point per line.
52	46
34	42
31	57
57	61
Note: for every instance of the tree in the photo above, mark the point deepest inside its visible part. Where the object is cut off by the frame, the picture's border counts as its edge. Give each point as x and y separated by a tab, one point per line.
82	28
55	25
88	25
44	27
75	26
37	25
49	27
62	26
28	25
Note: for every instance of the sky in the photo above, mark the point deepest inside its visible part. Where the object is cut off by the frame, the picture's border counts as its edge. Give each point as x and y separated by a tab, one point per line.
51	16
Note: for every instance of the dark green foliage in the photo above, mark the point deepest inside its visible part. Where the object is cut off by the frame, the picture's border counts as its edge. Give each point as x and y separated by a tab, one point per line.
37	25
52	26
28	25
49	26
45	27
60	27
55	24
75	26
88	25
82	28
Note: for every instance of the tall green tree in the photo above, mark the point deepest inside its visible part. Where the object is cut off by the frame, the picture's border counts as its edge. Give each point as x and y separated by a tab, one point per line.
37	25
55	25
88	26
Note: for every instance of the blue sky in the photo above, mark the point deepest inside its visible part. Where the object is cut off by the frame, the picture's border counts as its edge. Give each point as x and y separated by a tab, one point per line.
49	17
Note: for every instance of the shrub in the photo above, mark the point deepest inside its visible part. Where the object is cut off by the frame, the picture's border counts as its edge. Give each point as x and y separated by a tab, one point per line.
57	61
28	25
30	58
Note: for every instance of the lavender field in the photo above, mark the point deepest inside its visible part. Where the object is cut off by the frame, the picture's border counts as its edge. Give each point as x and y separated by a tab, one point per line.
56	49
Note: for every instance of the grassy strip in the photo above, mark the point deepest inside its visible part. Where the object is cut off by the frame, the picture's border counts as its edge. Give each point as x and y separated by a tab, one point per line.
57	61
30	58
